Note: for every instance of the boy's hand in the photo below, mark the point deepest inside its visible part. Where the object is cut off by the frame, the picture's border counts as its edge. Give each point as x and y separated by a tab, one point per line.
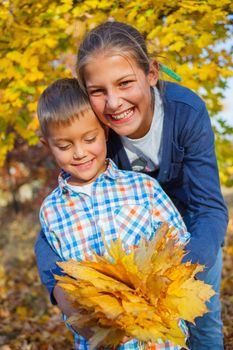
124	340
62	302
85	333
66	307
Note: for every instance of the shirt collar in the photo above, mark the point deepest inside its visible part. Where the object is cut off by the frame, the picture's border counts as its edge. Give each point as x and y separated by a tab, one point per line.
111	173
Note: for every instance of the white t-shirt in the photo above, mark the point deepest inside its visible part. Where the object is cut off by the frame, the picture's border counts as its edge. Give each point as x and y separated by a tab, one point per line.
82	189
144	153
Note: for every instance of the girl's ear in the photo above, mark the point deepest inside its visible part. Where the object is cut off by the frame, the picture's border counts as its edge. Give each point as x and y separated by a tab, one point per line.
153	73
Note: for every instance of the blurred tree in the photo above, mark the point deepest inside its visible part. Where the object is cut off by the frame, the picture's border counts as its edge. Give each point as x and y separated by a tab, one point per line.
39	41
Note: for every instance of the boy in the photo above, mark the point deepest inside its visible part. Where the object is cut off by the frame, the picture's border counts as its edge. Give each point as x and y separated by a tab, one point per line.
93	196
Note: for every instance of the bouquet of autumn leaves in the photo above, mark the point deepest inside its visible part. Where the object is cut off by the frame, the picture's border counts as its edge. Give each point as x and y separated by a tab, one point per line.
140	294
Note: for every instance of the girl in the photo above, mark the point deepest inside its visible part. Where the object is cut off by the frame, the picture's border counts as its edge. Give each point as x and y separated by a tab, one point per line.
164	130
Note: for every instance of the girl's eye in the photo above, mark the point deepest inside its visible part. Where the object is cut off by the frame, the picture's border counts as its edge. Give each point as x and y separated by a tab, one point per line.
126	83
96	92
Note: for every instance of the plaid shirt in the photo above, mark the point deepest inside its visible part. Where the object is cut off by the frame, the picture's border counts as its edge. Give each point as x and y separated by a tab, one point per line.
122	204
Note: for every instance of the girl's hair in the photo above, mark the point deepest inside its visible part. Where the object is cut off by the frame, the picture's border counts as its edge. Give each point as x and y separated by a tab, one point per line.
60	103
113	37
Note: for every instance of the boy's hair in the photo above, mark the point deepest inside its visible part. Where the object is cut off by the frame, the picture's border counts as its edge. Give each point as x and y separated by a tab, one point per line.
60	103
113	37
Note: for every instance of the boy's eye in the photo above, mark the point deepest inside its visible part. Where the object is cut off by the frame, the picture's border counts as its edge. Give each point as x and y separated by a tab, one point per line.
90	140
63	148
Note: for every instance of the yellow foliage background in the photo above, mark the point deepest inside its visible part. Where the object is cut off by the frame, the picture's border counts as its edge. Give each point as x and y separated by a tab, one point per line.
39	41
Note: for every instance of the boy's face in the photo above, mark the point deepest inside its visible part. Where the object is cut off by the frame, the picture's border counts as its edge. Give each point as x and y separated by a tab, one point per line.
79	148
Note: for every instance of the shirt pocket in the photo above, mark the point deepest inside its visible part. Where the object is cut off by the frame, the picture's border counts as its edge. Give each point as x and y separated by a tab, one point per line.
76	240
132	222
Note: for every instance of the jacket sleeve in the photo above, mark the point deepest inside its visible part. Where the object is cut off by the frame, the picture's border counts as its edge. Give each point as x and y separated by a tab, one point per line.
46	259
208	216
165	211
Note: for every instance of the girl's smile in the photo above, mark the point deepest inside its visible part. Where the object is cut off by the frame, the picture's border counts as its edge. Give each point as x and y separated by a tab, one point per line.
122	117
120	94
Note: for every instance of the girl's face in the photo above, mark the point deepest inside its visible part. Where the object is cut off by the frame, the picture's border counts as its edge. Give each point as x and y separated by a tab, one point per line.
119	93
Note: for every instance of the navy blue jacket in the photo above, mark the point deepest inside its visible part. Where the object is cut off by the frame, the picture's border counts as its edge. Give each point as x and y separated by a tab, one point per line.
188	173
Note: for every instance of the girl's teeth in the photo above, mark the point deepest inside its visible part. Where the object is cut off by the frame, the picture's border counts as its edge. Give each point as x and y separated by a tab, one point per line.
123	115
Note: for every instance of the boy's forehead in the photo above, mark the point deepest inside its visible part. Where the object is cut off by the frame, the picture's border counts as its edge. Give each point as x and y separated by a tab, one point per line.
86	112
88	115
83	121
89	119
78	127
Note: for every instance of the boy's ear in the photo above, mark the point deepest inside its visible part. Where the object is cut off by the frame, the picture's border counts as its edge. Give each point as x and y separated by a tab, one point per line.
44	142
153	73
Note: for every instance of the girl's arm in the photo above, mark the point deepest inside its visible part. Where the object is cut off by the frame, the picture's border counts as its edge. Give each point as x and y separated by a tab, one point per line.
207	214
46	261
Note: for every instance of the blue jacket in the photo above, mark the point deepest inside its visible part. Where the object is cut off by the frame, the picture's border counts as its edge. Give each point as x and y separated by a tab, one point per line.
188	173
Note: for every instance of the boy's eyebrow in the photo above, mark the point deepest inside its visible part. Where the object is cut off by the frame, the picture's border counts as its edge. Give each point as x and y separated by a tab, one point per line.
131	75
66	139
90	131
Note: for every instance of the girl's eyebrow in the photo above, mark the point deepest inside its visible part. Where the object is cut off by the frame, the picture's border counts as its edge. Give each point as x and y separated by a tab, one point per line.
131	75
127	76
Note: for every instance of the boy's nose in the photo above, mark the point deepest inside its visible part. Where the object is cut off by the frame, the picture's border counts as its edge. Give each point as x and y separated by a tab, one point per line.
79	153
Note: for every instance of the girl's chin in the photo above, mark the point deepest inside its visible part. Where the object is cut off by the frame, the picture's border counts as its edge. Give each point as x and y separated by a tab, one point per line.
123	130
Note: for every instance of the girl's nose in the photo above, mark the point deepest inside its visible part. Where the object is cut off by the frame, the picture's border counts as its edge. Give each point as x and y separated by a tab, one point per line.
113	102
